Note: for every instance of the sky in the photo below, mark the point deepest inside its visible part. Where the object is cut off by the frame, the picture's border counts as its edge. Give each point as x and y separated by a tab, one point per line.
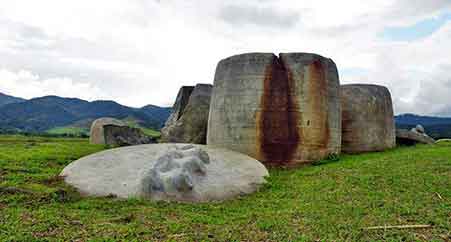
140	52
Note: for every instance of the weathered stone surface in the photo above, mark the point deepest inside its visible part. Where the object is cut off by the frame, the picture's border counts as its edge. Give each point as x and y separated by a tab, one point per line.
124	135
97	135
419	129
283	111
367	118
179	106
178	172
188	122
410	137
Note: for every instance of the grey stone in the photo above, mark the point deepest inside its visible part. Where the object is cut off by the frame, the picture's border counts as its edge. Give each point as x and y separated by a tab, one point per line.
174	172
124	136
419	129
367	118
283	111
179	106
97	135
188	121
409	137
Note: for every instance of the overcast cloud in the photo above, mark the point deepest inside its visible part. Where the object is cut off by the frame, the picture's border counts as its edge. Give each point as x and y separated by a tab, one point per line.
140	52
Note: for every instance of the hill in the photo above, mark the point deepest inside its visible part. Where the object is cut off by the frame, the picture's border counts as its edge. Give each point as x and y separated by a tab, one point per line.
59	115
156	112
6	99
53	112
436	127
412	119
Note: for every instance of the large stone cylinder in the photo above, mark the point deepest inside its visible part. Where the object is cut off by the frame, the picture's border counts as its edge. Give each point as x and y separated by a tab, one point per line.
283	111
367	118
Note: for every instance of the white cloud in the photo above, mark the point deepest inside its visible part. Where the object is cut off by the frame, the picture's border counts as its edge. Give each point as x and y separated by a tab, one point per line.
141	51
31	85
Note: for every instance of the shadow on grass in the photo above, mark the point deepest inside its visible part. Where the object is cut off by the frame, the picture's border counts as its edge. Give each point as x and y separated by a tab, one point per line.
332	158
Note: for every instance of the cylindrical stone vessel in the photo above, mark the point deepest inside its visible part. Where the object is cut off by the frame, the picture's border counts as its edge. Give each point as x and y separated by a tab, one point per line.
283	111
367	118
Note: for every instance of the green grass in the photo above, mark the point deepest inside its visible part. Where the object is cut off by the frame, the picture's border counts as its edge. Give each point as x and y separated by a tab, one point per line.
79	131
151	132
328	201
148	131
69	130
443	142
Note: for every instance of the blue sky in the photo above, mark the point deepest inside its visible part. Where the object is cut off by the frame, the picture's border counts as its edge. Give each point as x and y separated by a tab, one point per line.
419	30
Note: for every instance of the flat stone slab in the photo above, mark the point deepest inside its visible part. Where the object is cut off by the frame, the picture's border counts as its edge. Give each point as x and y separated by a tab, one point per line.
411	137
175	172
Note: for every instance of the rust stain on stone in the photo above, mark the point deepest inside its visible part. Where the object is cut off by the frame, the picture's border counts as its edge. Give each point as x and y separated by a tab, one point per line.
277	123
317	103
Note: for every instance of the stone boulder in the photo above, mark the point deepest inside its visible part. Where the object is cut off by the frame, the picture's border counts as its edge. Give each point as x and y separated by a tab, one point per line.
418	129
174	172
97	135
412	137
123	136
179	106
189	120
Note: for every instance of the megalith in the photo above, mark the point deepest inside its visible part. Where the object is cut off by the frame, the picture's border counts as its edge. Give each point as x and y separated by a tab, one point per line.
124	136
283	111
414	136
367	118
170	172
97	134
188	120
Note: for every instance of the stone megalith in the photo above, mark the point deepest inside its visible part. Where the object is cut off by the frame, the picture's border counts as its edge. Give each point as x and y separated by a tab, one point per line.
414	136
367	118
283	111
419	129
123	136
97	135
179	106
188	120
175	172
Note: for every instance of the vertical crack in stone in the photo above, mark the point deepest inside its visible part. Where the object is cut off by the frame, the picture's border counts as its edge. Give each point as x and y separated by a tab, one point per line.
277	122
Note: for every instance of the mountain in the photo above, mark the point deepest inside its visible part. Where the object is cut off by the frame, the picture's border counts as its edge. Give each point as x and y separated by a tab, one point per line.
49	112
57	113
6	99
157	113
436	127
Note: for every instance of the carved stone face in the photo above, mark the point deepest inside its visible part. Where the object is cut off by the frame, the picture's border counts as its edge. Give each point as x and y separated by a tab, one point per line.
175	170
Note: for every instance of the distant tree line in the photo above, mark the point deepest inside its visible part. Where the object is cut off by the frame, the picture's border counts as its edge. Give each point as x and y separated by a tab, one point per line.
42	134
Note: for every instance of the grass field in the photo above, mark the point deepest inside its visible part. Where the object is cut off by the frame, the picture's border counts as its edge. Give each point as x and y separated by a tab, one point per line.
331	201
148	131
151	132
76	131
79	131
